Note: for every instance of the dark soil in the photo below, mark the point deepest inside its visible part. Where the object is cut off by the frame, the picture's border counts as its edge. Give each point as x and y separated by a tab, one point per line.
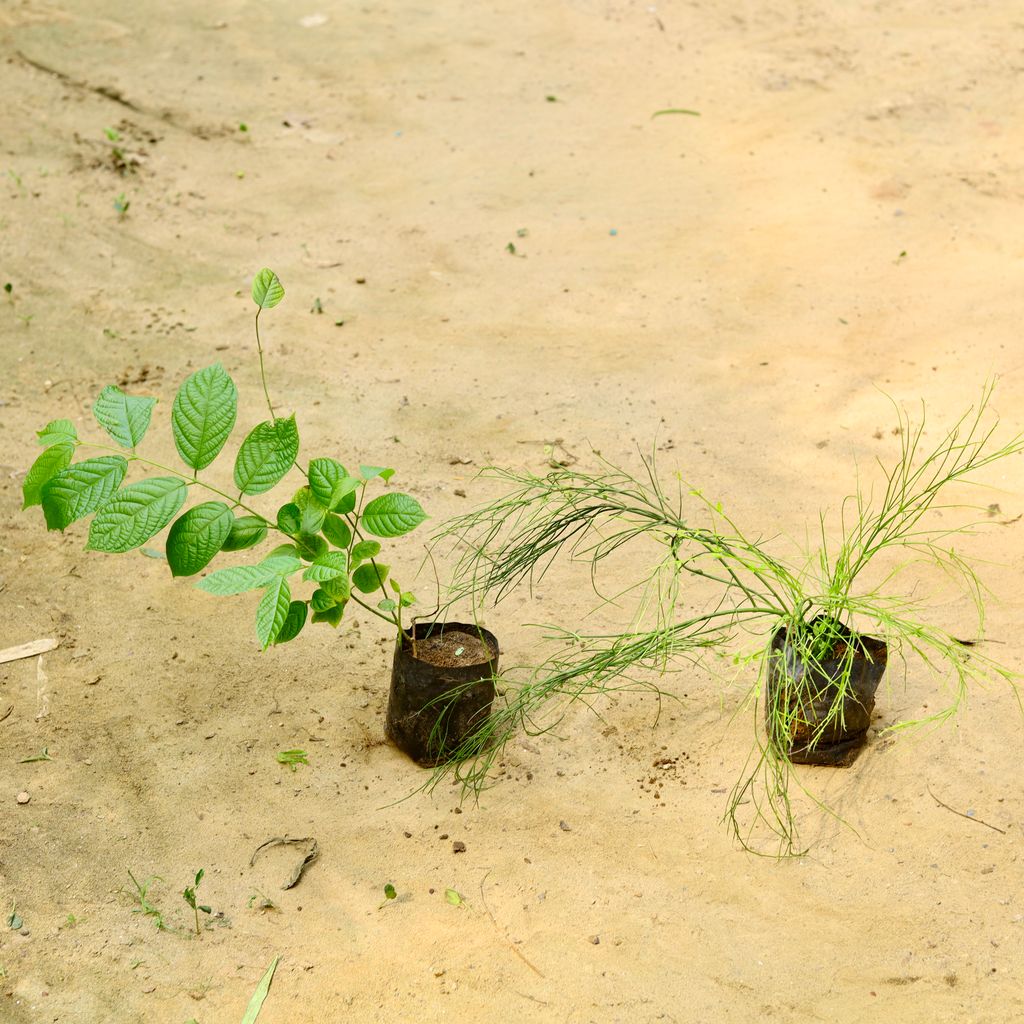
453	649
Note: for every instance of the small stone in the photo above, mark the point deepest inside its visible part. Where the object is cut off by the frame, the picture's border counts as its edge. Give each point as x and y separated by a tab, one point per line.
23	798
408	835
458	846
595	939
24	931
564	826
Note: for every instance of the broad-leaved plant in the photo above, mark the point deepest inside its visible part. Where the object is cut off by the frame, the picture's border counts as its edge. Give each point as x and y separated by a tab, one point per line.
328	527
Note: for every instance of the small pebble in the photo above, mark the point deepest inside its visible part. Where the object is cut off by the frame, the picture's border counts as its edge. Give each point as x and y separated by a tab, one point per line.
595	939
564	826
23	798
458	847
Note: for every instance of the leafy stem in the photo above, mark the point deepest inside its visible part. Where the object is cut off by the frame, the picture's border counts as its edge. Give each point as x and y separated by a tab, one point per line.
263	371
190	480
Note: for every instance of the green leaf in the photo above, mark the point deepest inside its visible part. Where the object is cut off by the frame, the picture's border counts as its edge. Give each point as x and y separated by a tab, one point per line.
283	549
266	455
57	432
197	536
124	417
337	531
310	509
245	532
339	588
408	598
346	505
391	515
311	546
267	290
252	1011
369	577
370	472
363	550
330	481
332	615
321	601
236	579
454	897
293	622
272	611
136	513
387	605
330	566
47	465
280	564
289	519
203	415
81	489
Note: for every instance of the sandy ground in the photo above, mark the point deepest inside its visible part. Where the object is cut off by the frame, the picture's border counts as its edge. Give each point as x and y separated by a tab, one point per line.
844	215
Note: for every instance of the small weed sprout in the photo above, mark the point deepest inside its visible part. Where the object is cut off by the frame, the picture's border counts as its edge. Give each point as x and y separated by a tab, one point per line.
293	758
189	896
144	905
259	900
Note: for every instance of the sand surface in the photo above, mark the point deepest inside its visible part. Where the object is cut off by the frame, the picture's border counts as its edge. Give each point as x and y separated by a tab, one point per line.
844	216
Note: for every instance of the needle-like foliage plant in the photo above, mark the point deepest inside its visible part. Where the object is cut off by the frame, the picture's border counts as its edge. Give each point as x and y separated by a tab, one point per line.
713	589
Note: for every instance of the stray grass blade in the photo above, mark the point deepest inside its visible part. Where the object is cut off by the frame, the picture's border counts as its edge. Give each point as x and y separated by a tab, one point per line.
43	755
252	1011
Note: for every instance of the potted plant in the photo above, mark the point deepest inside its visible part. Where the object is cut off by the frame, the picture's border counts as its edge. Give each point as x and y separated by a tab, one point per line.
825	623
329	533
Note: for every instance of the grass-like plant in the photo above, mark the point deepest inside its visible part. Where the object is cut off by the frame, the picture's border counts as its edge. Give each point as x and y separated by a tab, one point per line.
327	527
710	583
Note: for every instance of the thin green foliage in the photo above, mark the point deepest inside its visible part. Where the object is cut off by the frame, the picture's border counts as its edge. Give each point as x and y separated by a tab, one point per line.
259	996
710	585
144	905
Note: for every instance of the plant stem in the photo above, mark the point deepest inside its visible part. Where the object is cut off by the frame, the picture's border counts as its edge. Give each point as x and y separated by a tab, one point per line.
263	372
353	520
372	610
